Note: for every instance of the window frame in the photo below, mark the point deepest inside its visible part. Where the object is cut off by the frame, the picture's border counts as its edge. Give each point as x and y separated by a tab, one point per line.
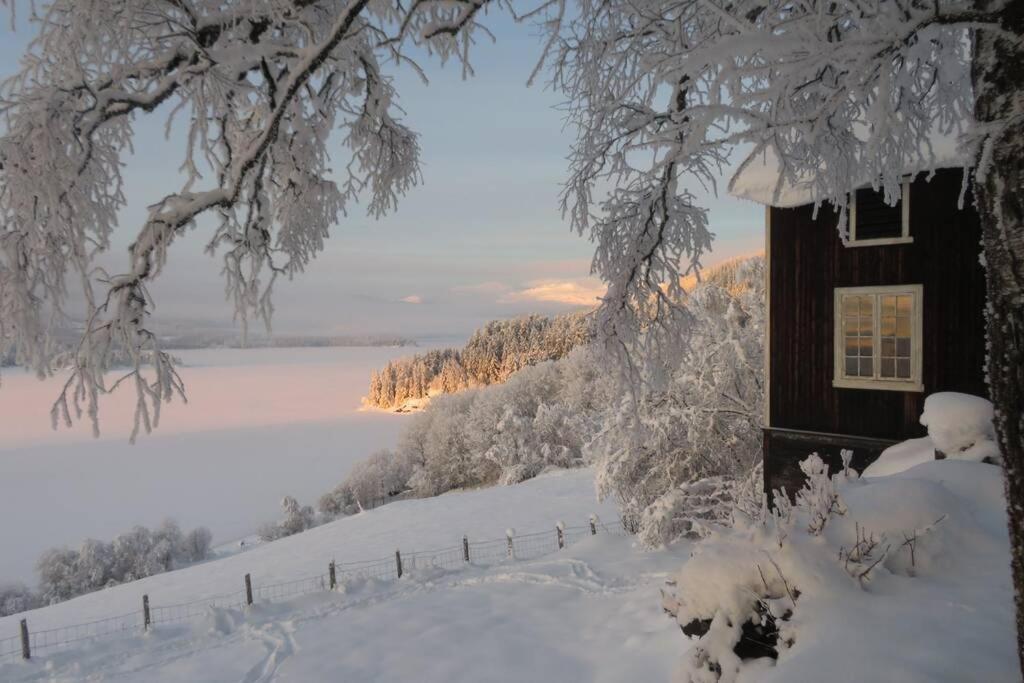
839	377
905	236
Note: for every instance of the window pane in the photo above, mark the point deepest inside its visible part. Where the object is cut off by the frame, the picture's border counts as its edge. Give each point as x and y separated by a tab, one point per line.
865	368
888	305
850	348
888	347
851	367
887	368
875	218
903	305
903	347
865	346
887	328
865	306
903	368
903	327
850	305
866	328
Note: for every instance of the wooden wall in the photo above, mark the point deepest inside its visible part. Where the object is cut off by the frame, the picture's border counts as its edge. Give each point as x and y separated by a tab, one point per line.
808	261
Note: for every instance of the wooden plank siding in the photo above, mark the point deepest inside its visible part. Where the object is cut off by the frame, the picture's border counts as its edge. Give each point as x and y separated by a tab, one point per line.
808	261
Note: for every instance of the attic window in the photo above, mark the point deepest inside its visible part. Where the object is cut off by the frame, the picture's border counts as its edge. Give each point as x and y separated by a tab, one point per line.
878	337
873	222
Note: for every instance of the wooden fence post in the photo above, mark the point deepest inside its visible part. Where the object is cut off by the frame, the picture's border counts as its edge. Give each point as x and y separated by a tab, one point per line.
398	563
561	536
465	548
511	547
593	525
248	590
333	576
26	650
145	613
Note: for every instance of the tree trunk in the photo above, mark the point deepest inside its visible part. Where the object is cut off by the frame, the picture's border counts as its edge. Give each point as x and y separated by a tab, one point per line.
998	75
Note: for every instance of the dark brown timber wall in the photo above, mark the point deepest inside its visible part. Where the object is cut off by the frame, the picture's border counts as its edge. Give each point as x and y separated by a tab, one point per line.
808	261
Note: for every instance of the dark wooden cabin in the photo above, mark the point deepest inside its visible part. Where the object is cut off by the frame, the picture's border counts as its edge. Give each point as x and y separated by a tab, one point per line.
859	333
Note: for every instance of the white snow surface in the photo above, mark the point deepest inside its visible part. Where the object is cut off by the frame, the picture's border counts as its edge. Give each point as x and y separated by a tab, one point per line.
260	424
758	180
902	457
960	425
590	612
945	615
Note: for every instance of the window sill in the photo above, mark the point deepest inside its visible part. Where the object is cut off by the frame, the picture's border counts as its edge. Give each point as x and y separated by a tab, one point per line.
879	242
878	384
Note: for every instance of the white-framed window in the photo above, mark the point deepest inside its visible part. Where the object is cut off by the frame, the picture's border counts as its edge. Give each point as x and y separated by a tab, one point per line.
873	222
878	337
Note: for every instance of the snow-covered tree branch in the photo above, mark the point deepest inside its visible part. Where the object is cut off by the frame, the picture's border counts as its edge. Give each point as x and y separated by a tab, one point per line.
256	87
664	93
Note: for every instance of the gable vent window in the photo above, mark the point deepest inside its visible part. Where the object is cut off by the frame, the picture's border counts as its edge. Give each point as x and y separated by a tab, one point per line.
878	338
873	222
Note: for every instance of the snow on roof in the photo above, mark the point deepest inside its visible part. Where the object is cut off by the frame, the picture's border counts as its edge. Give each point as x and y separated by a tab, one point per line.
757	179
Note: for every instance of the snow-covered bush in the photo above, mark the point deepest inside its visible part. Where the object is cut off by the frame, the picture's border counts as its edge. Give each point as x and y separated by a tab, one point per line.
960	426
542	417
697	413
297	518
65	573
849	561
371	482
17	597
694	509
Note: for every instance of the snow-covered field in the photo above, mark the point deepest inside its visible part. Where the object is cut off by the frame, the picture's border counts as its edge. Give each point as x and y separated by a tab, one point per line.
590	612
587	613
260	423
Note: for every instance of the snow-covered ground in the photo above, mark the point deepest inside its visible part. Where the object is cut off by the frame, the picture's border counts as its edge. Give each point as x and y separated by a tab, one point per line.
904	577
260	424
590	612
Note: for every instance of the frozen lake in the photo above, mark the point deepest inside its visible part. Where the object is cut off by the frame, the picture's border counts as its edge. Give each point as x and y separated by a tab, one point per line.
259	424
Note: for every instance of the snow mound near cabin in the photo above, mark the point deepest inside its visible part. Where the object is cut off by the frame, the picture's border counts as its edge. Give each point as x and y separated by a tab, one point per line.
961	426
902	457
908	580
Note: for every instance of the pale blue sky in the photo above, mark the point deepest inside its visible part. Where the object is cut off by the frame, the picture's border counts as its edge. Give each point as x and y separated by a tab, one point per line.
481	238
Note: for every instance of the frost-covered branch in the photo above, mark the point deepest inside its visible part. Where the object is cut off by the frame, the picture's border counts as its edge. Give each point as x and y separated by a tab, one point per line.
255	88
830	94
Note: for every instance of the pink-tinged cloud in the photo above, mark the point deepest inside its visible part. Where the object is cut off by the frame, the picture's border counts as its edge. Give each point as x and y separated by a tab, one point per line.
412	299
491	287
583	292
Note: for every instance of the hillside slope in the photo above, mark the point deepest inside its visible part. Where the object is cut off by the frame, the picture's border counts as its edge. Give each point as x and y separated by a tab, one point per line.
589	612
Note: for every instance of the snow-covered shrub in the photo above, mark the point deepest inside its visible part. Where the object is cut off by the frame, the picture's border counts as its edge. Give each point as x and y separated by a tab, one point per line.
694	509
960	426
297	518
697	413
17	597
542	417
64	573
782	594
371	482
196	545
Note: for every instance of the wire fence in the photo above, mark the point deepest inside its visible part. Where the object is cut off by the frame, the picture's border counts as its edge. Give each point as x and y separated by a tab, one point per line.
513	547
